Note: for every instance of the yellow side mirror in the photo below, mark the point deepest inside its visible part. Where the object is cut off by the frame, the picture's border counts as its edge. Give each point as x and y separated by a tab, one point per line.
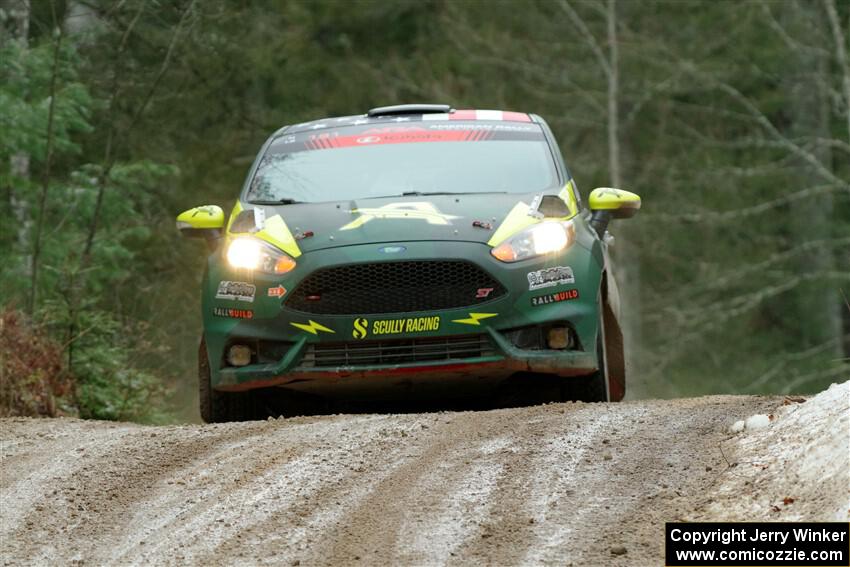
607	203
204	221
619	203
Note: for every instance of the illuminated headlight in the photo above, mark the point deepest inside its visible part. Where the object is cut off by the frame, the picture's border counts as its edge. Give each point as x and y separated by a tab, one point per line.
546	237
253	254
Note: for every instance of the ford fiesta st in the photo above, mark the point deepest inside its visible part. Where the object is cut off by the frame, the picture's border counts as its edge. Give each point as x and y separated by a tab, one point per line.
412	245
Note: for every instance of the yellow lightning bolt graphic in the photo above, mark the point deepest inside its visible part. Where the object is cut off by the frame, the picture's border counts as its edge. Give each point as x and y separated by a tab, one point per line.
312	327
475	318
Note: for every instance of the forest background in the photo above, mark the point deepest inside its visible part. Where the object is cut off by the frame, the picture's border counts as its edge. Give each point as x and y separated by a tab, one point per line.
730	119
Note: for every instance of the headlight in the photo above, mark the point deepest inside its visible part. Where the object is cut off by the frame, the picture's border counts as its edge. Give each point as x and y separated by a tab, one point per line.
543	238
253	254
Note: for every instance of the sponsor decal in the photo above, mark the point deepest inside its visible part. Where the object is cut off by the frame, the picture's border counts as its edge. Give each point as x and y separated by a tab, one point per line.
483	292
392	249
208	210
475	318
401	211
239	291
610	191
312	327
233	313
361	328
550	277
278	291
495	127
364	328
554	297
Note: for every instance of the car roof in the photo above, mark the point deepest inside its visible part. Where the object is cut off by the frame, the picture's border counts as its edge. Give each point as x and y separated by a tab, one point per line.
363	119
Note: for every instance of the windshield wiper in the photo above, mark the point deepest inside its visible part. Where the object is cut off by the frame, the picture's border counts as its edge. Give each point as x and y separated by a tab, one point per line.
420	193
428	193
283	201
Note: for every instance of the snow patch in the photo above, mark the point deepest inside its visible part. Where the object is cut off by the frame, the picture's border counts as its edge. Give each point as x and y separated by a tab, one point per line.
796	469
759	421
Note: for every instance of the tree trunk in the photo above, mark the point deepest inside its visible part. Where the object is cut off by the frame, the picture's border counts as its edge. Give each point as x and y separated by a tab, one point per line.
48	162
817	304
625	251
613	96
19	163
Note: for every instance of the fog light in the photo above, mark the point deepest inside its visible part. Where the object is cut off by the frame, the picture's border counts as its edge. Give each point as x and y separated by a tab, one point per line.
239	355
558	338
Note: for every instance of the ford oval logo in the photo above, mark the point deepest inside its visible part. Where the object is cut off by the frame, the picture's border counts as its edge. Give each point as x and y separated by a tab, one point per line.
392	249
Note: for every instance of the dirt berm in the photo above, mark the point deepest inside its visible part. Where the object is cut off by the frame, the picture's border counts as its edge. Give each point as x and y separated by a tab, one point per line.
581	484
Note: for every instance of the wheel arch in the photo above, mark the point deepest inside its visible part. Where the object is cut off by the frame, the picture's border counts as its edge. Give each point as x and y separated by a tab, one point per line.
614	345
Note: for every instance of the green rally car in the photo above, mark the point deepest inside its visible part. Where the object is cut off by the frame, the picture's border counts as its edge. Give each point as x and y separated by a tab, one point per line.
414	245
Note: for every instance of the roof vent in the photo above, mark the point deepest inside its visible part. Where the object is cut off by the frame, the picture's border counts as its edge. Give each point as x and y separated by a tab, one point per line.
410	109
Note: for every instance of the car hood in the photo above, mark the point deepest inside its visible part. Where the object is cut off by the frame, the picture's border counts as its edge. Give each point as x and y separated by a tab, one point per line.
459	217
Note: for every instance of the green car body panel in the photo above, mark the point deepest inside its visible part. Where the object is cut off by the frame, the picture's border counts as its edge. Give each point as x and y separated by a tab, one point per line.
287	331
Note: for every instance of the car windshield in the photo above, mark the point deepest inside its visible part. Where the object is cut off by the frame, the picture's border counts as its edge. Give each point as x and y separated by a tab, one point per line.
368	162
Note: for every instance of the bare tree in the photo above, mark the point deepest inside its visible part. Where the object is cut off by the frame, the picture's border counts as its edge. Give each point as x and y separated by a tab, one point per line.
840	37
45	176
109	160
19	163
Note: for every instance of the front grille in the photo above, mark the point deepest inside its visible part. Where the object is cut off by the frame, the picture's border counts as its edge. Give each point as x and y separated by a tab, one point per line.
398	351
394	287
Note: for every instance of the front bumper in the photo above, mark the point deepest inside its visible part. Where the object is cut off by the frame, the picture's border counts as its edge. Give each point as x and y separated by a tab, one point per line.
506	361
299	334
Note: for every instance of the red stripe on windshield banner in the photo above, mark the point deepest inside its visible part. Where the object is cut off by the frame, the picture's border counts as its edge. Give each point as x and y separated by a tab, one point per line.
462	115
498	115
516	117
324	141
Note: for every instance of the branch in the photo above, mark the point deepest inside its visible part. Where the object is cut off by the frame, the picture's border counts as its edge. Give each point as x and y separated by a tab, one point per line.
164	67
540	74
841	370
588	37
139	111
702	320
737	214
689	294
840	54
782	365
773	131
790	42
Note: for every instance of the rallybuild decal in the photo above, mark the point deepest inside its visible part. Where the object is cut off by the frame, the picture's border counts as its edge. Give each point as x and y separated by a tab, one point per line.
233	313
239	291
364	328
554	297
550	277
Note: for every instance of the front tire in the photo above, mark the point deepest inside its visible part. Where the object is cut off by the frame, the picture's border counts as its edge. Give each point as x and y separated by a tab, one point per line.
594	387
215	406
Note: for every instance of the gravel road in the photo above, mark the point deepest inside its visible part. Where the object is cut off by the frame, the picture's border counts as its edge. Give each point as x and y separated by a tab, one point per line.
582	484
